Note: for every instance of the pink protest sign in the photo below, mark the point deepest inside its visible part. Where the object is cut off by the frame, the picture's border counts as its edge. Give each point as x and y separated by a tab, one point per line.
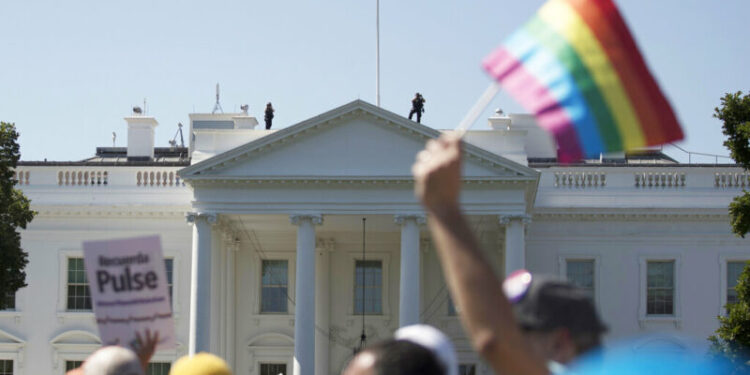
129	290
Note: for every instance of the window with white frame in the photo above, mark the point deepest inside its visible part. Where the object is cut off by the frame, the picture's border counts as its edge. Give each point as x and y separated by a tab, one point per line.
6	367
273	369
467	369
79	295
368	287
580	272
158	368
169	265
72	365
660	287
274	286
734	269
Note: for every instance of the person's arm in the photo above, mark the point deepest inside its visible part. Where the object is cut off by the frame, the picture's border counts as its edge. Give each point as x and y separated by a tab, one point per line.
145	347
485	312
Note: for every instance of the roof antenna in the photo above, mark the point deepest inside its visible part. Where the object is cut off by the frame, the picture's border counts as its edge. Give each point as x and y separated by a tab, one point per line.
114	138
217	106
145	111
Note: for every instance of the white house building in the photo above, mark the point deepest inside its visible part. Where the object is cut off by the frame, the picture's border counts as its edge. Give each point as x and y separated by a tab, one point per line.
283	246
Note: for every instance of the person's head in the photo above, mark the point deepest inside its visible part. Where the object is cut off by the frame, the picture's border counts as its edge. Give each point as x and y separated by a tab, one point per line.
200	364
268	105
414	350
112	360
558	320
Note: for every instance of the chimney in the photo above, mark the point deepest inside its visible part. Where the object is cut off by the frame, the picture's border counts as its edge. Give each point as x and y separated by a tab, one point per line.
141	136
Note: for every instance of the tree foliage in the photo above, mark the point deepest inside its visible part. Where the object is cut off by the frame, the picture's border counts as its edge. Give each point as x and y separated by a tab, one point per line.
732	339
15	212
734	112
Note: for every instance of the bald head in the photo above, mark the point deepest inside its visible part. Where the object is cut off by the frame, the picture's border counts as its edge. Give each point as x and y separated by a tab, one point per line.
113	360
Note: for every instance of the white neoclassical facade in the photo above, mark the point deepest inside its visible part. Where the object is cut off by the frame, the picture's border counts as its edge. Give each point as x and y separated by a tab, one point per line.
284	246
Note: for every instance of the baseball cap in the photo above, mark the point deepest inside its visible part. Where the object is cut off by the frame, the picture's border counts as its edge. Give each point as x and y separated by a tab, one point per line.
432	339
543	303
200	364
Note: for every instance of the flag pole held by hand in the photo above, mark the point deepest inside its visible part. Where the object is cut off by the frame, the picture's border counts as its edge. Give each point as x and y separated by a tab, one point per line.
476	110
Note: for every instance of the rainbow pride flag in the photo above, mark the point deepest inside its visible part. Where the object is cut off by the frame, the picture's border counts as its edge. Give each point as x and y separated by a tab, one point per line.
578	69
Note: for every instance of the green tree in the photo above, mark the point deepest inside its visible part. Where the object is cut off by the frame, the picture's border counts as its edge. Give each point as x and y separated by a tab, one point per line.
15	212
732	339
735	113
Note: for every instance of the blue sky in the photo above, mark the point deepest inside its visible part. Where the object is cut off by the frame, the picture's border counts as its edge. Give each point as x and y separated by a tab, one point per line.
70	71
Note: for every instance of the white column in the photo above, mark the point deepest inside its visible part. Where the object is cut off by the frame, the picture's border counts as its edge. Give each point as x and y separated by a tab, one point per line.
230	308
322	308
199	337
515	242
409	290
304	311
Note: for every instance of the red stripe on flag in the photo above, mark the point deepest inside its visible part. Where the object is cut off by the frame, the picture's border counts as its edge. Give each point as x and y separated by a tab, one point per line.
667	121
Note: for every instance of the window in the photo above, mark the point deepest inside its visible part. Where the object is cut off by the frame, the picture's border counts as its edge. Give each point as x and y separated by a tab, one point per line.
467	369
70	365
158	368
274	285
79	296
734	269
581	274
10	301
169	264
660	288
6	367
368	287
272	369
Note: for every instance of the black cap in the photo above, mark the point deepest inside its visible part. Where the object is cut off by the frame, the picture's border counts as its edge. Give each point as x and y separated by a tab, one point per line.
547	304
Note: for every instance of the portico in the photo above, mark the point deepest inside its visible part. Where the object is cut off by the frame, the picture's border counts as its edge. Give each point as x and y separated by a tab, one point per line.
291	204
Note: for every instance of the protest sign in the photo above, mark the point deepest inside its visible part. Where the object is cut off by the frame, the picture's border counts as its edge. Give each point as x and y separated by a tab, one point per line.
129	290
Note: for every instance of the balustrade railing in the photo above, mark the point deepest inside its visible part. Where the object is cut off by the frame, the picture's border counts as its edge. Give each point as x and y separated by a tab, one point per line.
580	179
645	180
21	176
82	178
158	178
731	179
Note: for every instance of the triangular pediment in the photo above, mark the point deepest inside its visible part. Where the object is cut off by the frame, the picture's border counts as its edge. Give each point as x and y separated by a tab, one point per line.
76	337
356	140
9	339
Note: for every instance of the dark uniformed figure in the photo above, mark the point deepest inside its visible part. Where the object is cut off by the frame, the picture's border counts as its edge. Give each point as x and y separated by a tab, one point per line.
269	115
417	106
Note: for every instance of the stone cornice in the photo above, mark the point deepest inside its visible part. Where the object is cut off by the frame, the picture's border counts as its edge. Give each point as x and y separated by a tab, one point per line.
633	214
111	212
364	180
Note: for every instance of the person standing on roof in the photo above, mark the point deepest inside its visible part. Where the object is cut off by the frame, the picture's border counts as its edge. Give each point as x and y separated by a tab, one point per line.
269	115
417	106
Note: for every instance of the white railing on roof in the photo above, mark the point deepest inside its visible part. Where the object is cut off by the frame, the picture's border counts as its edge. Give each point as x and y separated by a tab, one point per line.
158	178
731	179
645	180
21	176
580	179
82	177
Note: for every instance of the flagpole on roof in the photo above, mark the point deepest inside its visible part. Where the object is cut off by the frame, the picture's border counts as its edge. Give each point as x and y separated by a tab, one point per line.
377	53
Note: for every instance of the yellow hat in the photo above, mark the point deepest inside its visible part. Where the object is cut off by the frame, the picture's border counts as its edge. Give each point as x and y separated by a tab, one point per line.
200	364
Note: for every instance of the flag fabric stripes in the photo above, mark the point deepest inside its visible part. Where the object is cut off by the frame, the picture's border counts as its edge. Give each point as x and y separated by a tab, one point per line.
578	69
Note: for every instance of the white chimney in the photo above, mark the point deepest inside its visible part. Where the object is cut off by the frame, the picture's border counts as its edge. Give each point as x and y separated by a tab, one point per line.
141	137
